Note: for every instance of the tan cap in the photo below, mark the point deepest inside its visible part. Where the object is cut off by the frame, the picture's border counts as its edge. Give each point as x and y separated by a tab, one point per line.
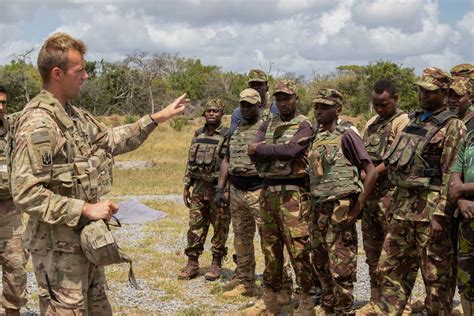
251	96
463	70
434	78
329	97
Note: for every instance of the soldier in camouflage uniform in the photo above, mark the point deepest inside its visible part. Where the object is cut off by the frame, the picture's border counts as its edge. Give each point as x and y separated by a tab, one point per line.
257	80
279	150
61	166
460	102
379	134
202	171
335	160
461	192
244	190
13	257
418	163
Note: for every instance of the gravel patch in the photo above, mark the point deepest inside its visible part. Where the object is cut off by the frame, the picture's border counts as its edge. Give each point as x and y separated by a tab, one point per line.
198	292
134	164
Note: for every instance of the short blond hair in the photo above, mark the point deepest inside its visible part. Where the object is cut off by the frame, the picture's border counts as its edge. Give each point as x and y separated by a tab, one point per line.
54	51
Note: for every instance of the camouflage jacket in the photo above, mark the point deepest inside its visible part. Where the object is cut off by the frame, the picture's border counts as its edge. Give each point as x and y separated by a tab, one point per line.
62	159
419	166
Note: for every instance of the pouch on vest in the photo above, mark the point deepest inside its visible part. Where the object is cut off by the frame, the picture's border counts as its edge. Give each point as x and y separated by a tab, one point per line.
99	246
316	163
340	211
193	149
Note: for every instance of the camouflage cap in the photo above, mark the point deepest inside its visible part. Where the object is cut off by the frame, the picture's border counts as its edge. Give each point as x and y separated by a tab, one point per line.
285	86
251	96
463	70
434	78
329	97
214	103
461	86
257	75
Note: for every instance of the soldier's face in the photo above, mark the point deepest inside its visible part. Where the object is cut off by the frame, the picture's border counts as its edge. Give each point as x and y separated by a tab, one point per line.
3	104
325	113
286	103
213	115
458	104
75	76
384	104
249	111
261	87
431	100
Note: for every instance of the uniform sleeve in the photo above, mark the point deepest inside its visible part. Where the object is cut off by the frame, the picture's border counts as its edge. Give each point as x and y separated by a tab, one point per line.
459	163
292	149
455	131
37	142
353	148
122	139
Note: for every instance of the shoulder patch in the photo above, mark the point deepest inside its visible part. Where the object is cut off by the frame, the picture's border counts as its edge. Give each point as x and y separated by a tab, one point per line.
40	137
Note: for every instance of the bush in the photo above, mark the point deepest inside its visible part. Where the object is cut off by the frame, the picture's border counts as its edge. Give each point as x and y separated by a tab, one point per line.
129	119
179	122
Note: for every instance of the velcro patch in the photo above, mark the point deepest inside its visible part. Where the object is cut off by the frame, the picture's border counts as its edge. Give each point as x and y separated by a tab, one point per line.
40	137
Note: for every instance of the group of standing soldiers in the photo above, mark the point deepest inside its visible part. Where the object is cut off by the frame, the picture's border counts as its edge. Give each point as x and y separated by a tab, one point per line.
302	185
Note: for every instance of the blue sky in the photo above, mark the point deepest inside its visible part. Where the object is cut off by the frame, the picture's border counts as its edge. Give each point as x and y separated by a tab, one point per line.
299	36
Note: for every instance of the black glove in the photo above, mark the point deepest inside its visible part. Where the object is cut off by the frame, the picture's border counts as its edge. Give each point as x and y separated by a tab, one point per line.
220	199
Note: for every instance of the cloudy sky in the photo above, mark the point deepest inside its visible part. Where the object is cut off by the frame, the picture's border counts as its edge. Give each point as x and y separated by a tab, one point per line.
300	36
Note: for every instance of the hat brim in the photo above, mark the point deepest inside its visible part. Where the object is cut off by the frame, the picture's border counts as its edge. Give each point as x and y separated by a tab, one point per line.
256	80
284	91
250	100
459	91
324	101
427	85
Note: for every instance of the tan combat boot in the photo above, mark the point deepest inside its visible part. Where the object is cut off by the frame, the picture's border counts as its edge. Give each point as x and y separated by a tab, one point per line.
12	312
284	298
241	289
231	284
271	304
306	306
215	272
369	308
257	309
457	310
467	306
191	270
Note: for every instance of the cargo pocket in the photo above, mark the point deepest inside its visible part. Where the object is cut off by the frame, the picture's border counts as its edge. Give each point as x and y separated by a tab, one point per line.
193	149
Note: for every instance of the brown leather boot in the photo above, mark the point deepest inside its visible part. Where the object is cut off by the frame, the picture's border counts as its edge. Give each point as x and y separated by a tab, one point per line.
12	312
191	270
215	272
271	304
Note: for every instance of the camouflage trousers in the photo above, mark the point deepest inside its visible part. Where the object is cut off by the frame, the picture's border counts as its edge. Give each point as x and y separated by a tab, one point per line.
335	256
245	214
13	258
203	213
282	213
374	228
407	248
466	260
69	284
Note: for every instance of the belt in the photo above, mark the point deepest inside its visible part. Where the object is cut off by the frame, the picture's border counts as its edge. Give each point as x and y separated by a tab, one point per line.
283	187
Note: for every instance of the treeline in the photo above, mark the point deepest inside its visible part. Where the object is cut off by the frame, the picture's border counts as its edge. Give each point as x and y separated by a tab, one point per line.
142	83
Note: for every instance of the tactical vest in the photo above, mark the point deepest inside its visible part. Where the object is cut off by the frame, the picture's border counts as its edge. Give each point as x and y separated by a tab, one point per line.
79	170
4	181
279	132
6	145
468	120
331	175
206	153
377	135
411	162
239	161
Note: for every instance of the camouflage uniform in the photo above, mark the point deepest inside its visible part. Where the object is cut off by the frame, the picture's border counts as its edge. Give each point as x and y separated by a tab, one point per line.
13	257
334	186
418	163
63	159
378	136
202	171
462	84
282	203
